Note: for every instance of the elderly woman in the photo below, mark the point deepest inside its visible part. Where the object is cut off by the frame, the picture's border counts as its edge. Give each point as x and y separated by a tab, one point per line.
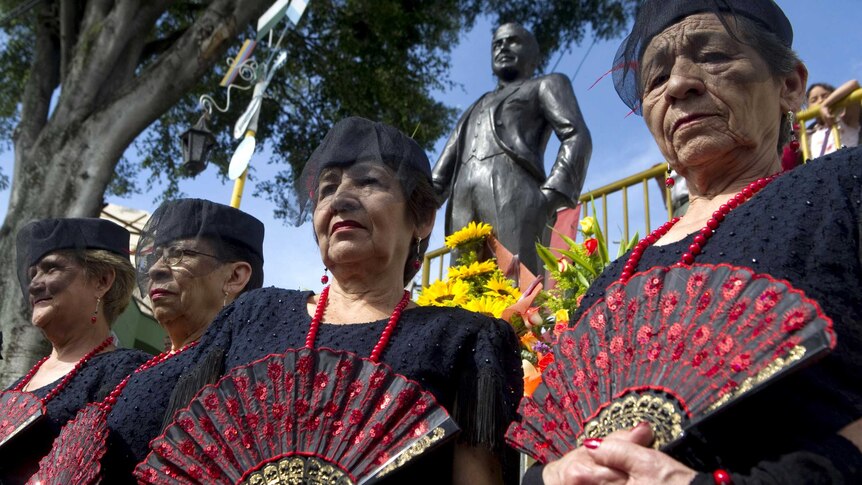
77	276
715	81
373	210
194	257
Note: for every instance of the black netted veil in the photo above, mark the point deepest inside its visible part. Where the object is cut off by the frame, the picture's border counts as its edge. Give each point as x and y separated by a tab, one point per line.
357	139
654	16
192	219
38	238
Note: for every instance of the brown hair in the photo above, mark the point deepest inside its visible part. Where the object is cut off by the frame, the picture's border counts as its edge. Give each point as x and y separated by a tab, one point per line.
98	262
421	206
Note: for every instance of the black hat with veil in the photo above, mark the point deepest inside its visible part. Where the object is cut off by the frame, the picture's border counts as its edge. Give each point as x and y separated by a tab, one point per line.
38	238
357	139
233	234
654	16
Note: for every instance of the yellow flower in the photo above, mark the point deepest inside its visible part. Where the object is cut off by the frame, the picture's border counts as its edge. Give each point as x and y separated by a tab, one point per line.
528	340
588	225
471	232
492	307
500	287
561	315
474	269
445	293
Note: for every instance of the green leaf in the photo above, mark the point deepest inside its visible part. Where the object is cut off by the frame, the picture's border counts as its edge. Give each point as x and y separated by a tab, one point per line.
547	257
626	246
600	238
585	283
579	260
571	242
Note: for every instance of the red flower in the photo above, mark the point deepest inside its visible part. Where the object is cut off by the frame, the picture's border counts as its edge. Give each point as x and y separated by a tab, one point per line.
545	361
591	245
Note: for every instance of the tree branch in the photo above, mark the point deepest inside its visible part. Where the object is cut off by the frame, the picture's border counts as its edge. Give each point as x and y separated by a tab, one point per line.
180	67
68	33
104	38
159	46
43	80
159	87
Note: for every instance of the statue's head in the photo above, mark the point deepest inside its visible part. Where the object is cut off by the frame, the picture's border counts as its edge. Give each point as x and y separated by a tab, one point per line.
514	53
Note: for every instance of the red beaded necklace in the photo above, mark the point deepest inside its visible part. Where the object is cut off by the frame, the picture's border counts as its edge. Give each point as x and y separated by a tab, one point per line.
69	375
82	442
108	403
705	233
384	337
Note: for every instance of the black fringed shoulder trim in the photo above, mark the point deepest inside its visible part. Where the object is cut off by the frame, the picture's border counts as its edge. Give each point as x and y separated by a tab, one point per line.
483	414
207	371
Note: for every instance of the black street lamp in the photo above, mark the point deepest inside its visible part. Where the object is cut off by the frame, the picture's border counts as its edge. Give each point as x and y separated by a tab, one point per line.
197	142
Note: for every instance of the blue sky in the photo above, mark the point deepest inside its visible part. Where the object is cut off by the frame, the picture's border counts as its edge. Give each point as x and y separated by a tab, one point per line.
827	37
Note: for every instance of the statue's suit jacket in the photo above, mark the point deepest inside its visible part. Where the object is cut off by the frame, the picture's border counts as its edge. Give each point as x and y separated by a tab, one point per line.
522	123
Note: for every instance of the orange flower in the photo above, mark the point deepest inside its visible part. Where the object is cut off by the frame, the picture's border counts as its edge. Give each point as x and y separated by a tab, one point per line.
532	378
528	340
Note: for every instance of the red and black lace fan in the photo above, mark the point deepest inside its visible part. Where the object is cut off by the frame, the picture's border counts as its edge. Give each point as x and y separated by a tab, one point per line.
305	416
671	346
20	411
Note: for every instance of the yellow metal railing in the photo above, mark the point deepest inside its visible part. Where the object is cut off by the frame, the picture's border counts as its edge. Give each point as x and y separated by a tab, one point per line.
813	112
598	196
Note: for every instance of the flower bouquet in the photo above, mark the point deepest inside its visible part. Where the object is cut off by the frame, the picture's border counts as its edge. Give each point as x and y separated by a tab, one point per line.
477	284
473	283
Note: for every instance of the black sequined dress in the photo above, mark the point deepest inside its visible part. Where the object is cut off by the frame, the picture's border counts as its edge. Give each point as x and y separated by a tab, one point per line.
805	227
148	401
19	458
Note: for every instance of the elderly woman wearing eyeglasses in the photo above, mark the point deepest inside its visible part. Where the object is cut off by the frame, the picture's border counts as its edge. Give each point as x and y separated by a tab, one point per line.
194	257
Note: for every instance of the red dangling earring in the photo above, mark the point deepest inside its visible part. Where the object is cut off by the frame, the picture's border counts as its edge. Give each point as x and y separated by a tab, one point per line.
324	279
794	128
417	263
668	181
96	312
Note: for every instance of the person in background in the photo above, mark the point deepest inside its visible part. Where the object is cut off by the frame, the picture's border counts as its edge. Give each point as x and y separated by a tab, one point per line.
77	276
847	119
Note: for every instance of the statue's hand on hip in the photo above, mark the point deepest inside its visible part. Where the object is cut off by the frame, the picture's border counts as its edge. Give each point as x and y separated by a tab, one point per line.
441	190
553	201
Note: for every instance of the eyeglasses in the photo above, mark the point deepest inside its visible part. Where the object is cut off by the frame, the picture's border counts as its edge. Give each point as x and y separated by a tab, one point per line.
171	255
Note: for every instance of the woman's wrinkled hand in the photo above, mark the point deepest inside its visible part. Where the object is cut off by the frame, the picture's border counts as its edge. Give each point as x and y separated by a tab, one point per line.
623	457
578	467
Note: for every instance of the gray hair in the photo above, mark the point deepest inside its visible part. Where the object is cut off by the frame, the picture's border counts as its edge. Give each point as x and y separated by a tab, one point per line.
780	59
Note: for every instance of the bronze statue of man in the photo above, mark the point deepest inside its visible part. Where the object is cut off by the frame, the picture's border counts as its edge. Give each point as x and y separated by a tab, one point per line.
493	166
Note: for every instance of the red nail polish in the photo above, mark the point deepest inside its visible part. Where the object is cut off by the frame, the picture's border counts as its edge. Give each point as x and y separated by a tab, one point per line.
593	443
644	423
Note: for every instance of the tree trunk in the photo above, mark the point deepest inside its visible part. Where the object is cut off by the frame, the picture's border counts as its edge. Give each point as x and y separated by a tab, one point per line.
65	159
